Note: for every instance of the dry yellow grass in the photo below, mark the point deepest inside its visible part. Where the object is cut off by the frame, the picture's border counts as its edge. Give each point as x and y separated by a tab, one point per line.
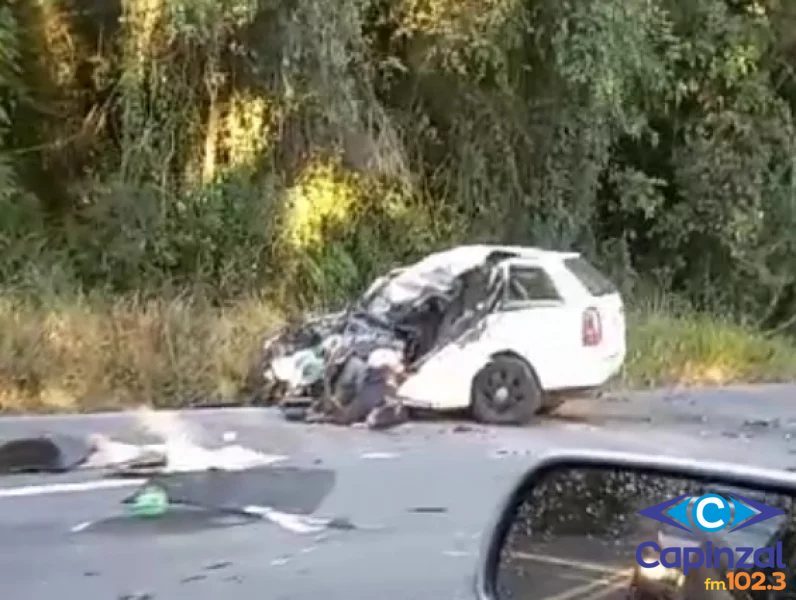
92	355
84	355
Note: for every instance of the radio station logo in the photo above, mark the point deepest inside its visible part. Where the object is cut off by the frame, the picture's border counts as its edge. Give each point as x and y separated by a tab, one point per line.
711	513
709	519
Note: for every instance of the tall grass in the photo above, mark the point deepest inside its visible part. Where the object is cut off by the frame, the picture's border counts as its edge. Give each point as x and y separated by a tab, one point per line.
691	348
83	354
90	353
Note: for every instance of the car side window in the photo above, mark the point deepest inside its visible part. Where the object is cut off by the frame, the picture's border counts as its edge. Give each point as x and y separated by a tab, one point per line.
530	284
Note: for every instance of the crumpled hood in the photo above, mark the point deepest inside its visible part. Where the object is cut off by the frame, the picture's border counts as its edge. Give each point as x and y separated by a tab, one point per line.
435	274
393	314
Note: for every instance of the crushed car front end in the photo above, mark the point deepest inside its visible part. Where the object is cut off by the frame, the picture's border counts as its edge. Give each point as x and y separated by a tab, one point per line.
410	312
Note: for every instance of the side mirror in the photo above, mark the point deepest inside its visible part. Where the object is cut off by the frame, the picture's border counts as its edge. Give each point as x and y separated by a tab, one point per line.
611	525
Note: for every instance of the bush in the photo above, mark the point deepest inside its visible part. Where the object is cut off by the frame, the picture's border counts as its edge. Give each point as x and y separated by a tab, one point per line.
702	349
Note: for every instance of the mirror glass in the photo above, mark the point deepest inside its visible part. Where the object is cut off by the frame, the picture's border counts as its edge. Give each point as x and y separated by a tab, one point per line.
611	533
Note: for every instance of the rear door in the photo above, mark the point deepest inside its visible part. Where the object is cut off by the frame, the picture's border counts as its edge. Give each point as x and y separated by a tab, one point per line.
532	320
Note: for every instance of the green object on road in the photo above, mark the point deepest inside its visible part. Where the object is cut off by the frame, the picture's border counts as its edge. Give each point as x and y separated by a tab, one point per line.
152	501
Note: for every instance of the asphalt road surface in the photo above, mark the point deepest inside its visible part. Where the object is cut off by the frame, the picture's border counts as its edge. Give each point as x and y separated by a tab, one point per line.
419	497
570	567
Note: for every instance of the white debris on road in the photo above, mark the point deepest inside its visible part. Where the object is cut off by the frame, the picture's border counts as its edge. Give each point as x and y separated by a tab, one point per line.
109	453
81	526
379	455
178	450
291	522
67	488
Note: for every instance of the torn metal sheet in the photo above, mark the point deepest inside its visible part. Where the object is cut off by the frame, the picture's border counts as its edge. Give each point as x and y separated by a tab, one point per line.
175	455
394	327
129	459
286	489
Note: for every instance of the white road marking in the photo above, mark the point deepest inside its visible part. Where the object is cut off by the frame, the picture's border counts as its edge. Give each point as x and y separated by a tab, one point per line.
614	580
379	455
567	562
69	488
457	553
621	584
600	588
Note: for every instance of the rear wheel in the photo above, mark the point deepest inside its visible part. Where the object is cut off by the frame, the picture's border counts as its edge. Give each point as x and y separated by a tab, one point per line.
505	392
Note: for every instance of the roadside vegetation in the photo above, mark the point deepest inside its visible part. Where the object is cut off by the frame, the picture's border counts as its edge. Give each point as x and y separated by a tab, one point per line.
176	176
699	349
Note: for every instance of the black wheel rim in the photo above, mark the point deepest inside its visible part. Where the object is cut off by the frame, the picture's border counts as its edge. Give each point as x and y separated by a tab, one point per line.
502	387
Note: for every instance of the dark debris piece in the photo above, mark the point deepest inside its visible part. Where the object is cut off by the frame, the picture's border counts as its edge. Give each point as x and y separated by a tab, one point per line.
43	454
761	423
341	523
148	464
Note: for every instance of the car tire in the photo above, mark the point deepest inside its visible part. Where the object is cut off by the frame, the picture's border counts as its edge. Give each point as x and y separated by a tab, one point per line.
506	392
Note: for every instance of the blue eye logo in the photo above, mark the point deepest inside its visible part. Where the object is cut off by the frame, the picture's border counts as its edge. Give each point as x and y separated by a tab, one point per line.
711	512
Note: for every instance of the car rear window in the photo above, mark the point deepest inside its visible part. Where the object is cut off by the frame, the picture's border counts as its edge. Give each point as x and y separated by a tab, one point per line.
528	284
594	281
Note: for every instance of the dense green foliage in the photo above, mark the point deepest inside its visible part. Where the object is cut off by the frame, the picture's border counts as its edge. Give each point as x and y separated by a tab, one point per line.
299	146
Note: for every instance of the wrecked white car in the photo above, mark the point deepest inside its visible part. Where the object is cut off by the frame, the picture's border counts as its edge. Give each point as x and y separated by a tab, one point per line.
493	329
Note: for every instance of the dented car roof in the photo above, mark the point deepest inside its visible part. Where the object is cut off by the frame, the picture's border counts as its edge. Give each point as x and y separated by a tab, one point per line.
437	272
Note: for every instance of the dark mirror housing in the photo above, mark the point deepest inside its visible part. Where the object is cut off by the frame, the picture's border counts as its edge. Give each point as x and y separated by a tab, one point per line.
614	525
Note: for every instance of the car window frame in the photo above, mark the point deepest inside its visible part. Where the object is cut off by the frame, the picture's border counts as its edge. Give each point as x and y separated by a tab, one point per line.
507	305
591	274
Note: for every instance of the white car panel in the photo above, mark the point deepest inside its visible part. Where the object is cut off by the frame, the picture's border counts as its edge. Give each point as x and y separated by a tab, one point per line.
548	334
